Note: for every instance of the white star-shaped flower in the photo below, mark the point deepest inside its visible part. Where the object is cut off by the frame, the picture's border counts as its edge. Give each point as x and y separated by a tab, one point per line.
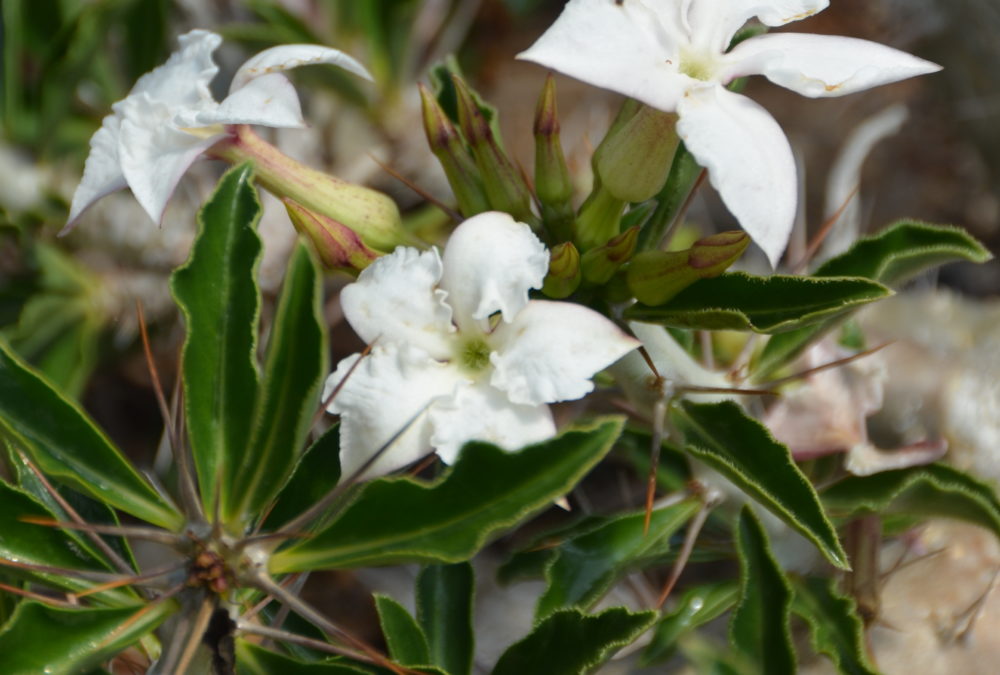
170	118
671	54
461	349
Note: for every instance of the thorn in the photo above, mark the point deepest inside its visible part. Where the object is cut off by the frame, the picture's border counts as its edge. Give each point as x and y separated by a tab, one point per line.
709	501
826	366
325	403
821	235
154	375
44	599
448	211
147	533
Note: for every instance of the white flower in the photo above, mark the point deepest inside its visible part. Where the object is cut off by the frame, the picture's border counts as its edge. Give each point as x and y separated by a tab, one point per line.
671	54
169	118
458	339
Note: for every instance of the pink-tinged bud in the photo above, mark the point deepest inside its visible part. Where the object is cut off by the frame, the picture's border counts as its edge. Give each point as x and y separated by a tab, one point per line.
553	184
599	264
459	167
564	271
634	158
337	246
654	277
505	188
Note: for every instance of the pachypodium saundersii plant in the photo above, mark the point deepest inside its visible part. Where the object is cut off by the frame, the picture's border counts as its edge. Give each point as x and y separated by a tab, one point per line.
532	296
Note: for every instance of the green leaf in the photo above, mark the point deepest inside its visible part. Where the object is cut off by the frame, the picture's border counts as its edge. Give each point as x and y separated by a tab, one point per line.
43	639
403	635
739	301
444	609
569	642
396	520
586	566
317	471
41	545
217	292
892	256
253	659
293	374
696	607
65	444
743	450
834	625
930	491
759	627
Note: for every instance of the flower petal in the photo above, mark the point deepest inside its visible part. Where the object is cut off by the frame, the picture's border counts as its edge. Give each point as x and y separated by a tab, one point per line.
552	349
269	100
183	81
748	159
631	48
823	65
395	300
154	153
102	173
286	57
383	395
714	22
482	413
490	263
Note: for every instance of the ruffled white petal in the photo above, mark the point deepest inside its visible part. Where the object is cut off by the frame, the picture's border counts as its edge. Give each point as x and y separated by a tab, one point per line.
286	57
383	395
183	81
748	159
714	22
269	100
395	300
552	349
482	413
154	154
490	263
102	173
823	65
631	48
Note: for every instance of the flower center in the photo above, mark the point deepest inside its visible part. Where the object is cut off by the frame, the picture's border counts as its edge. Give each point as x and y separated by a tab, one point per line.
698	65
474	355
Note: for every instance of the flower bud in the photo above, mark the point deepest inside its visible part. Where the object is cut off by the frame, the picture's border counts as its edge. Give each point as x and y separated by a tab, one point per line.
553	185
634	158
599	264
447	145
505	188
371	215
599	219
654	277
337	246
564	271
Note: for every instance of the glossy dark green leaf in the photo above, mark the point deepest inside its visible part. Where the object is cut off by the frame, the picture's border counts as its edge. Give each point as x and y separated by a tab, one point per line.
318	469
586	566
890	257
43	639
570	642
217	292
743	450
444	609
834	625
696	607
253	659
293	374
930	491
739	301
759	627
395	520
403	635
65	444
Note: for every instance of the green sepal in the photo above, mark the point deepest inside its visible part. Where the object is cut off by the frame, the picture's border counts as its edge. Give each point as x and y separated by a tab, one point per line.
216	290
570	642
759	625
740	301
395	520
743	451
